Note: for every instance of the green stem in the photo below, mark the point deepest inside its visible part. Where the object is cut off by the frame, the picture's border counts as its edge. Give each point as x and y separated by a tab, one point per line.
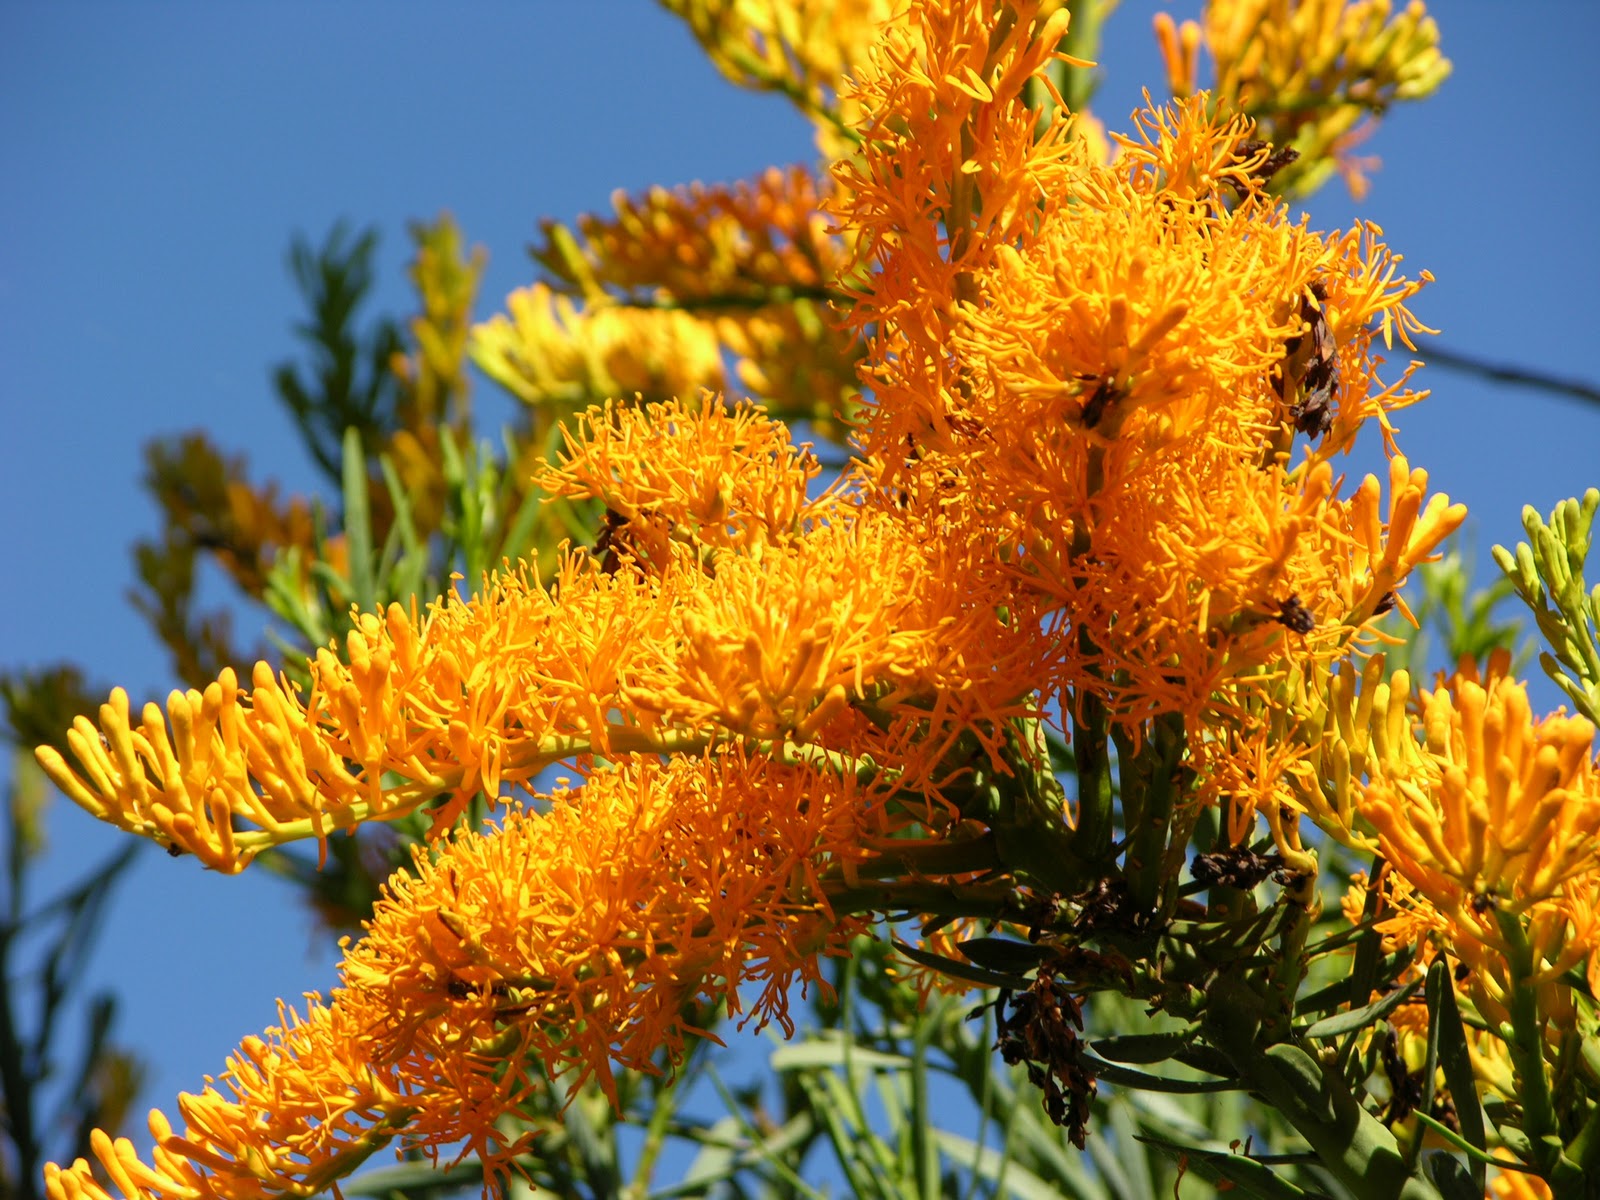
1091	720
1351	1144
925	858
1082	41
655	1139
1527	1047
1565	1174
939	900
1161	783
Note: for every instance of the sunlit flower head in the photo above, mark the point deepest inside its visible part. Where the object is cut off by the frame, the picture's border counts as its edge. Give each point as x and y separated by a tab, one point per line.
756	262
1096	374
1492	808
579	936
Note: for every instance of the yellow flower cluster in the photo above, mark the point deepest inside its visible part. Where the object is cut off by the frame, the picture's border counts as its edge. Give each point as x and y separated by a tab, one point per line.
1486	817
676	288
800	49
549	351
1311	73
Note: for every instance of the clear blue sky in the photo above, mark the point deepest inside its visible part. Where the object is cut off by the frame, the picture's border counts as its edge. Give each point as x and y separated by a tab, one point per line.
156	158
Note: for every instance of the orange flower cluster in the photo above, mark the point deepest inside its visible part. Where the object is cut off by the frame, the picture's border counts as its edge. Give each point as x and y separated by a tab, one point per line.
300	1112
701	243
1077	480
759	619
1094	373
1486	817
580	937
1514	1185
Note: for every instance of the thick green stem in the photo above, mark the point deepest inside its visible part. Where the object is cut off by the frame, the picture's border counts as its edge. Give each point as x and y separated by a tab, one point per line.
655	1140
932	899
1091	720
1527	1056
1161	783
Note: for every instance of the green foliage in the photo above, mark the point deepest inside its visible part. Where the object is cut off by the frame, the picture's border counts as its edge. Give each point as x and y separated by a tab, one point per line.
1547	572
348	381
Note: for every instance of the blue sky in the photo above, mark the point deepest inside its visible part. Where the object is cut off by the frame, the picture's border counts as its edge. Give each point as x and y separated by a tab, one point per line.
155	160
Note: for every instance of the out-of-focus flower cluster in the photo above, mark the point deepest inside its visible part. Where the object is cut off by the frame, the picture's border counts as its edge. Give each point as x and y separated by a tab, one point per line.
1313	74
683	290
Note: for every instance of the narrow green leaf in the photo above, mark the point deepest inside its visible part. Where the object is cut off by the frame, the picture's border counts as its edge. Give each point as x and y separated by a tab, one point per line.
358	521
1144	1047
923	1148
413	1177
816	1054
1457	1142
1360	1018
1225	1167
1137	1166
1452	1179
1447	1043
988	1163
1110	1072
405	577
960	970
1006	955
1343	991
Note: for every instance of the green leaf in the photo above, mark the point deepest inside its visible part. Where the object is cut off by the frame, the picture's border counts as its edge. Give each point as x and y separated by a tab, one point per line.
412	1178
1446	1032
358	521
1006	955
1224	1166
990	1164
960	970
1360	1018
406	575
1513	1139
1110	1072
1336	995
816	1054
1144	1047
1452	1179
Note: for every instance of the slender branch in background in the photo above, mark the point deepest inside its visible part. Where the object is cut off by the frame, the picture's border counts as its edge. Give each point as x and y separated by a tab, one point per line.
1467	364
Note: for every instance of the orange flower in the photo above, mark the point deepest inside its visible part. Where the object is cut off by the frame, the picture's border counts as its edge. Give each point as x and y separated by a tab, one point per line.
768	615
294	1111
1515	1185
1094	373
709	244
721	479
1493	809
579	936
444	705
